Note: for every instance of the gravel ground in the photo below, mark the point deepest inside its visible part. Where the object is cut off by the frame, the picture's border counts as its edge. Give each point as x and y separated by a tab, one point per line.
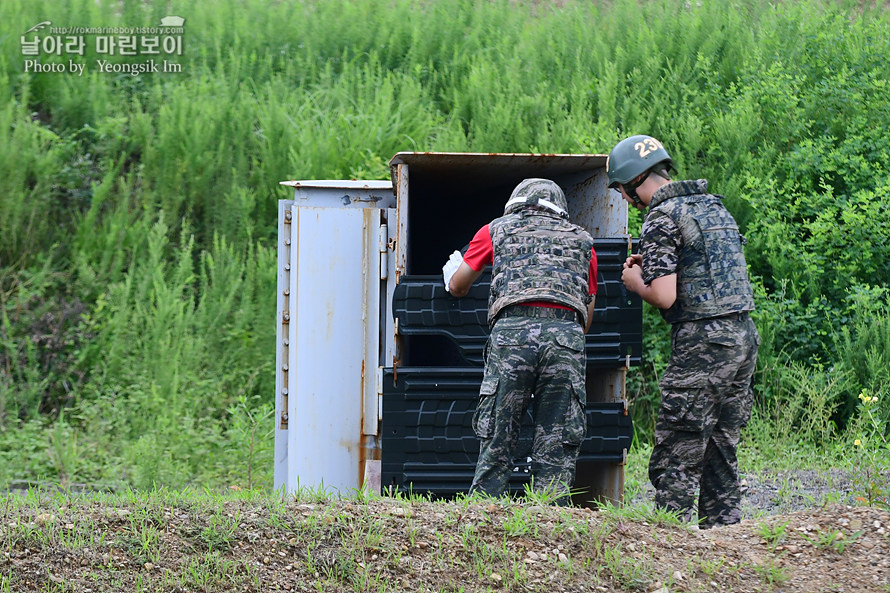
780	492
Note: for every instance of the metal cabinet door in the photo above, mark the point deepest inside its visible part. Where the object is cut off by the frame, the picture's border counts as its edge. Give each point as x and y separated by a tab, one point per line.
328	343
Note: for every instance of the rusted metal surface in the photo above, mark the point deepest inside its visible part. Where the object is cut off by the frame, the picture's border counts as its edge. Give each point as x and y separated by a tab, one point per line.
599	482
436	185
285	317
372	228
370	453
387	328
401	243
402	211
554	163
596	207
496	169
431	183
605	385
329	334
282	343
342	193
582	176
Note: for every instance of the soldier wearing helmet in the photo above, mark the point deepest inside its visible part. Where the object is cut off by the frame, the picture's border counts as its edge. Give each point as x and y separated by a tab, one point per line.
691	266
543	282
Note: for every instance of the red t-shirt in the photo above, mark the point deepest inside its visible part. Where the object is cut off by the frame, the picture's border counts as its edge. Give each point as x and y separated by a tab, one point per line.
480	253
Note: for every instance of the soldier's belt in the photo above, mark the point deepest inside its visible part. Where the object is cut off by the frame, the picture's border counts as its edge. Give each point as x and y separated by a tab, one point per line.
538	311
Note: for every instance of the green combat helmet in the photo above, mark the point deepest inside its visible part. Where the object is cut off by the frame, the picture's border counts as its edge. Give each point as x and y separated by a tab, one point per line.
538	192
633	156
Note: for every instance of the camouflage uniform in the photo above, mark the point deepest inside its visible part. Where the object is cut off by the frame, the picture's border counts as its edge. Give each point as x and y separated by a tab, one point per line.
526	356
706	389
535	356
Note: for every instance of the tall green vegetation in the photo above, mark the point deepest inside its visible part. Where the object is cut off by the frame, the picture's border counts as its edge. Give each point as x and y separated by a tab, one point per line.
138	213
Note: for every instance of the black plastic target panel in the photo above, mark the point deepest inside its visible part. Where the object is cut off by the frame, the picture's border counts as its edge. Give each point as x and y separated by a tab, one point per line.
428	444
442	330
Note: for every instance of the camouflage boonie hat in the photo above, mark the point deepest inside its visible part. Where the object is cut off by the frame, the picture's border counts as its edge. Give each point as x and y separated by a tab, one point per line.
538	192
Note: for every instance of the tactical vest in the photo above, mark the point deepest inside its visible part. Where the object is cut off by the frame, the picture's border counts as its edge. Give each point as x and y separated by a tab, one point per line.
712	276
539	257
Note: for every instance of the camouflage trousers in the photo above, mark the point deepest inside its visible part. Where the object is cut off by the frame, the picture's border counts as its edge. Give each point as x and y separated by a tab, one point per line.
706	399
535	365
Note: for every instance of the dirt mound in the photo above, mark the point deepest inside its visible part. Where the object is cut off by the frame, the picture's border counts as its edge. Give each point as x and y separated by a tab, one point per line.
174	542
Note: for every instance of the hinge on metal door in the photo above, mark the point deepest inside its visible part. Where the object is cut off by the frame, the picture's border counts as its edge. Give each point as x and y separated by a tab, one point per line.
285	319
383	248
379	394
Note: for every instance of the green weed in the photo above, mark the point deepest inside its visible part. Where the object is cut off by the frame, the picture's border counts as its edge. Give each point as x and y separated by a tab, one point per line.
833	540
774	534
871	452
626	571
521	521
772	573
646	511
219	532
709	567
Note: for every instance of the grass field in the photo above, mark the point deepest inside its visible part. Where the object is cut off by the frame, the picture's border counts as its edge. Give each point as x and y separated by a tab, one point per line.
137	212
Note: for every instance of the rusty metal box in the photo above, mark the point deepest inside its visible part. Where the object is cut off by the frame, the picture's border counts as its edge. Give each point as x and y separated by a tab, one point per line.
393	361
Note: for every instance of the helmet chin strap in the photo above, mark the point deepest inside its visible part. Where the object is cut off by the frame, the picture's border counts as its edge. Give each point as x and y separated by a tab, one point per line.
632	194
631	190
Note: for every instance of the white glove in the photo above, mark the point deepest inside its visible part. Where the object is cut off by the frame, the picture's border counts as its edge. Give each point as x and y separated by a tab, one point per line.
451	267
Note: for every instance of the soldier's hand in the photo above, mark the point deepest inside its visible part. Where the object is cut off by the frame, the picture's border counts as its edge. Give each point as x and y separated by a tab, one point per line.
632	277
450	267
635	259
